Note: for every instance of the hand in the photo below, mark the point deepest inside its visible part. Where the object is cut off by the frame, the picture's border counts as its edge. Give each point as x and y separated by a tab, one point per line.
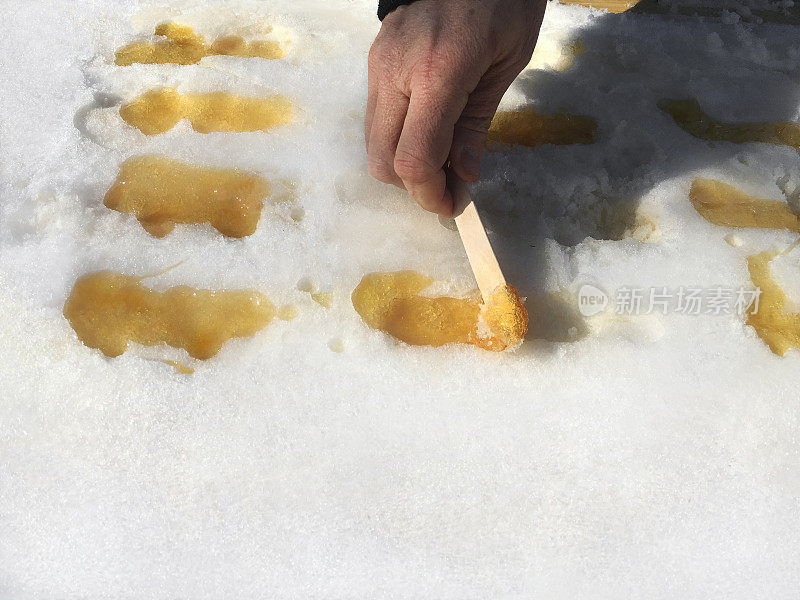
437	72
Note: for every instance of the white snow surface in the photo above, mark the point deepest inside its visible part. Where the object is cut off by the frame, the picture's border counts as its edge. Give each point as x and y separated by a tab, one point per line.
651	456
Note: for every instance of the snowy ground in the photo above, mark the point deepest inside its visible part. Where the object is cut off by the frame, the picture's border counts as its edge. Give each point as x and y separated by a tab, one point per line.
649	456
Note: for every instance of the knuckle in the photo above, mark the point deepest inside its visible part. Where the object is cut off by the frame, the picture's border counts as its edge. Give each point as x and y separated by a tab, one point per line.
444	66
412	168
433	68
384	56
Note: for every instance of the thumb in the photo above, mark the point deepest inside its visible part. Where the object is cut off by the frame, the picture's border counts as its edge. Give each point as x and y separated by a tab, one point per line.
469	137
469	134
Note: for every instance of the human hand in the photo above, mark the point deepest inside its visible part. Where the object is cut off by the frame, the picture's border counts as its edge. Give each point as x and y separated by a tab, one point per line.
437	71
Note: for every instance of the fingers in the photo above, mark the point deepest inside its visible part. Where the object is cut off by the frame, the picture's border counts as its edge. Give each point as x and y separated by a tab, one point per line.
388	117
372	100
467	149
425	143
373	68
437	71
469	137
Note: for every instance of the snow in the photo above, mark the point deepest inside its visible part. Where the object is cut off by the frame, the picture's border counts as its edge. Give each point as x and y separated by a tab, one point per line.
650	456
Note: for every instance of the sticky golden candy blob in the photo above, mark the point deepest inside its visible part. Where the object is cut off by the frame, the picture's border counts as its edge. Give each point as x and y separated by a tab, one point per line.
722	204
288	312
690	117
107	310
234	45
391	302
779	330
155	111
183	46
506	317
179	367
526	127
324	299
422	321
182	34
160	110
161	192
375	292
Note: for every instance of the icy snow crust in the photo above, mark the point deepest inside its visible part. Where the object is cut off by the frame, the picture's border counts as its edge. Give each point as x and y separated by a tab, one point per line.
638	457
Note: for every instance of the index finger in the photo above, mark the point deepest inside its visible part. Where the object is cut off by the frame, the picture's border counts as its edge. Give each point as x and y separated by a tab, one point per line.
424	145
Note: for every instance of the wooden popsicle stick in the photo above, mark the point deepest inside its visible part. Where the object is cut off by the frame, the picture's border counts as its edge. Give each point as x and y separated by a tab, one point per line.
613	6
473	235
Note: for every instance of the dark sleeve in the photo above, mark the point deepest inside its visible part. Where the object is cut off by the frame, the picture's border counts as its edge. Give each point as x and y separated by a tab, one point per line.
387	6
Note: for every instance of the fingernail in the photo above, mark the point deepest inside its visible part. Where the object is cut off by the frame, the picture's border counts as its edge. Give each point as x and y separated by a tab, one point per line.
471	161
